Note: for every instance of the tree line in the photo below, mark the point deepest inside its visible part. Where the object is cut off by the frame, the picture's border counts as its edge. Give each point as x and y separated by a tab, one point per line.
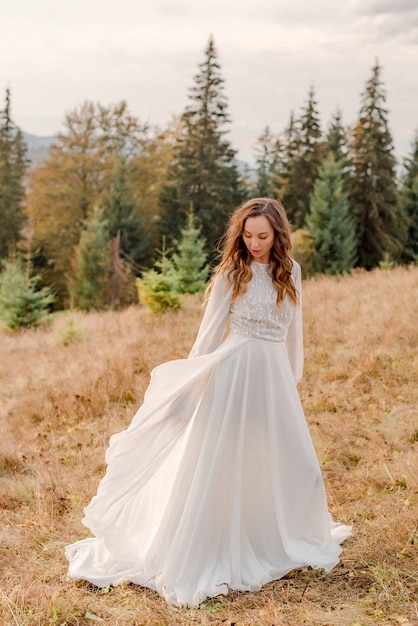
92	215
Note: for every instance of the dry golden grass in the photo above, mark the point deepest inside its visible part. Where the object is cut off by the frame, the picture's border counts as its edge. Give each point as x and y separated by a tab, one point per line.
66	388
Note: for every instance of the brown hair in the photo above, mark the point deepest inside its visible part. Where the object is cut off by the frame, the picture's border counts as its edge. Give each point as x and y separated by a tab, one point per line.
236	258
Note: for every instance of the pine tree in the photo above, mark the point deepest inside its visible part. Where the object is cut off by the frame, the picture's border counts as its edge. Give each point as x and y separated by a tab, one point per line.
13	165
311	156
91	265
409	203
304	155
330	223
204	171
190	259
22	302
373	193
268	153
285	183
337	144
336	138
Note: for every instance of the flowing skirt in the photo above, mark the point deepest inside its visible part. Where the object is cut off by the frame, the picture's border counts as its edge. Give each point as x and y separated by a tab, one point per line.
214	485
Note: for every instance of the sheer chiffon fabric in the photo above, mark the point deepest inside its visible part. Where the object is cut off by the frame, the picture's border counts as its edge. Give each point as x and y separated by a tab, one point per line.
215	485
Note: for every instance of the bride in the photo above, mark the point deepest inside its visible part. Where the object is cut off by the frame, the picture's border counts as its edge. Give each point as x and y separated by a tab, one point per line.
215	485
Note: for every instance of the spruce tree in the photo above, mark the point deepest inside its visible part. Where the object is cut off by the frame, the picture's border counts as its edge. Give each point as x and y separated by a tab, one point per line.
91	266
305	152
373	193
330	223
268	152
336	138
22	302
190	259
337	144
311	156
285	183
204	171
13	165
409	203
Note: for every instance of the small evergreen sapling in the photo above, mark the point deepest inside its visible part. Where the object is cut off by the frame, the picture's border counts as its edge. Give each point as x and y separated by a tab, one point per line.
159	290
190	260
22	304
91	265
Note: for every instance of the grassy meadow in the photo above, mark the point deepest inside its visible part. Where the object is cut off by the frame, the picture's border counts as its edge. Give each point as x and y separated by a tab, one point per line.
66	387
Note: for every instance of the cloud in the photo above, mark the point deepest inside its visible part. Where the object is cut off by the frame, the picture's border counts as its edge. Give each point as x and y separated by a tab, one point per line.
379	7
386	20
55	55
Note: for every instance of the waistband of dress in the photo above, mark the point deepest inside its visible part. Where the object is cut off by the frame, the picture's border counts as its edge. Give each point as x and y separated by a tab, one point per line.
256	337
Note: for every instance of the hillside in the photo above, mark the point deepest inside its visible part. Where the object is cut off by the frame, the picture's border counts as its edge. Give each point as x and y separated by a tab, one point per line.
38	147
65	388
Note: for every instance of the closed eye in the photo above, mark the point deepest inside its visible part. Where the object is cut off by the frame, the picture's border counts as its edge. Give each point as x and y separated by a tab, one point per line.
261	235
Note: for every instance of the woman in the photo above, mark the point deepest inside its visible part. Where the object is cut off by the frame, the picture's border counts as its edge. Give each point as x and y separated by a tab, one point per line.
215	484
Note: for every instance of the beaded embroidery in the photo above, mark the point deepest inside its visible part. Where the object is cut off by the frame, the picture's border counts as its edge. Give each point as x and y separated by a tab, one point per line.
256	313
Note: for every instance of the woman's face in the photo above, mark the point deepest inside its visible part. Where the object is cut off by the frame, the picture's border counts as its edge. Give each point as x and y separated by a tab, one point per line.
258	236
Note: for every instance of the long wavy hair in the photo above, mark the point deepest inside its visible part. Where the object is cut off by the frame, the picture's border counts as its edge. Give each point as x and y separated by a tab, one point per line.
236	258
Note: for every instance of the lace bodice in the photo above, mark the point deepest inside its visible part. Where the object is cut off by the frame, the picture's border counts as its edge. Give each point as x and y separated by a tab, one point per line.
256	314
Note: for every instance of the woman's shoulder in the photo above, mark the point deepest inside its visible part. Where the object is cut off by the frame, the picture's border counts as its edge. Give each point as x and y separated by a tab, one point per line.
223	274
221	280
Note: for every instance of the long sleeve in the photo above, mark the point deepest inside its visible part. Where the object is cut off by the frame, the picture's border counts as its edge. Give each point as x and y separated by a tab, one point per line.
212	327
294	342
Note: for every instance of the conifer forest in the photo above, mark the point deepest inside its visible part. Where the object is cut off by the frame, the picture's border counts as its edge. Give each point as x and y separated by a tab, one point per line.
120	207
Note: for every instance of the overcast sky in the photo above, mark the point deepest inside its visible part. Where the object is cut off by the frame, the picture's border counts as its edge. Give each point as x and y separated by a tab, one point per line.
54	54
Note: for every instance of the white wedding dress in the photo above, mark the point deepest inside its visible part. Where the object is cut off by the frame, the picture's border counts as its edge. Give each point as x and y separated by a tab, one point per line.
215	484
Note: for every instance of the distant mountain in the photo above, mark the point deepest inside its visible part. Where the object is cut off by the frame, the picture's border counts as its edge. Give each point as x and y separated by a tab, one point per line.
37	147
